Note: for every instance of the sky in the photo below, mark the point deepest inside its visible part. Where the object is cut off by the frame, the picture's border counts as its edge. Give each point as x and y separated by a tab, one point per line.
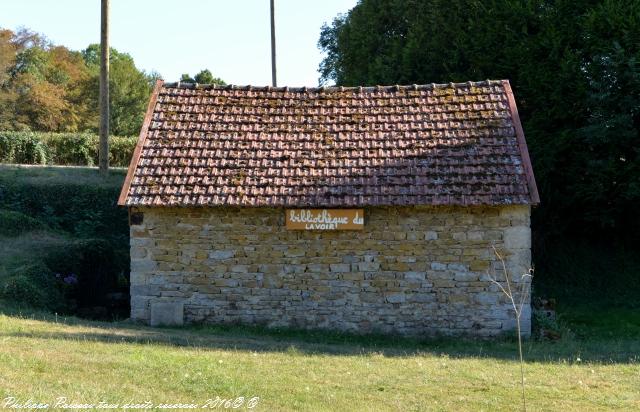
229	37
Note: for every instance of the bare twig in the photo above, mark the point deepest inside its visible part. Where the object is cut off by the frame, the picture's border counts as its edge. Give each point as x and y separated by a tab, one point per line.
517	308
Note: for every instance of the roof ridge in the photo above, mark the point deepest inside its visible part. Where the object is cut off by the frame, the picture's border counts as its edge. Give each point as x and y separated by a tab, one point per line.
184	85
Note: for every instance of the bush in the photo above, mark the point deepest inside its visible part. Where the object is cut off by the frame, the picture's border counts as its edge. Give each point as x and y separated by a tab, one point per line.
72	149
22	147
73	206
69	148
36	286
79	205
121	150
95	266
15	223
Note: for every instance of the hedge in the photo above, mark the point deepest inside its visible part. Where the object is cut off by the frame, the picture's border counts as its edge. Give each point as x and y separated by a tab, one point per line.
72	149
77	210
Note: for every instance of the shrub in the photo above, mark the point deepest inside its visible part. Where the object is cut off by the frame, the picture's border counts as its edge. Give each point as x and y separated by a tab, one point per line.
34	285
73	149
70	148
121	150
22	147
15	223
94	265
81	209
89	261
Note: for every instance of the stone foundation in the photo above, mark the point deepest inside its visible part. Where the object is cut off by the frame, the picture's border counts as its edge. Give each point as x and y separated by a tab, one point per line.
412	270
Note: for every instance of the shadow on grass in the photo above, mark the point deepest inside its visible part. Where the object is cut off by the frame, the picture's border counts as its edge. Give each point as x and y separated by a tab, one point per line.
260	339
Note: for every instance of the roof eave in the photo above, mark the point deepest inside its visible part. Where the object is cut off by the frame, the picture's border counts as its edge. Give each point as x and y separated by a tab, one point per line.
522	144
144	131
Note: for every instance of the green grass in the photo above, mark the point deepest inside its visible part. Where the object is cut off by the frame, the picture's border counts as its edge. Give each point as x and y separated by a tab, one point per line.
79	175
42	357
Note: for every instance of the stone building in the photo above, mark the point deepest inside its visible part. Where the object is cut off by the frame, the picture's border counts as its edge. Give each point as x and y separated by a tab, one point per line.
364	209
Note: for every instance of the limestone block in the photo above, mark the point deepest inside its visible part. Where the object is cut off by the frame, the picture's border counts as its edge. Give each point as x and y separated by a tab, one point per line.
350	259
143	265
459	298
511	212
430	235
479	266
239	269
167	313
415	275
486	298
518	237
438	266
145	290
457	267
396	298
294	252
222	254
369	258
340	267
137	278
465	276
294	268
368	266
443	283
352	276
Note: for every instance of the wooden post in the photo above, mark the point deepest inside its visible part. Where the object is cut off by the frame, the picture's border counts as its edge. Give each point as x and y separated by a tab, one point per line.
103	151
273	46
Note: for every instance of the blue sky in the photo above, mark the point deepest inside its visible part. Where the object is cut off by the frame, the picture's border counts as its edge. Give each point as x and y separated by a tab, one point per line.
229	37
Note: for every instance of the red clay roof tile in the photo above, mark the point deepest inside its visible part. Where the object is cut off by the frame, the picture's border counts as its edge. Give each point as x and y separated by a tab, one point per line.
453	144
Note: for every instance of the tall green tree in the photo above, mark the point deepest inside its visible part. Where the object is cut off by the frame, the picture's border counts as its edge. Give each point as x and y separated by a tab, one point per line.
129	90
203	77
573	67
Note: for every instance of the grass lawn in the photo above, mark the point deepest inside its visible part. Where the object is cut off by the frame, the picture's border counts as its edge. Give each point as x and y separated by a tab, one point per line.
42	358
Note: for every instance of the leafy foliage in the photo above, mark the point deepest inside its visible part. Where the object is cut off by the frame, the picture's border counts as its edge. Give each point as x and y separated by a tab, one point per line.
88	255
20	147
129	89
78	149
574	69
34	285
203	77
44	87
14	223
41	85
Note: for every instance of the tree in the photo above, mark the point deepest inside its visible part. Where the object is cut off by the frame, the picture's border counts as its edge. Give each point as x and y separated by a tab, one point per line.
129	90
186	78
39	84
203	77
573	67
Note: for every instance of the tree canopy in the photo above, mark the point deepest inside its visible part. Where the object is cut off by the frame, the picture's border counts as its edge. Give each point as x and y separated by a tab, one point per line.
574	67
45	87
203	77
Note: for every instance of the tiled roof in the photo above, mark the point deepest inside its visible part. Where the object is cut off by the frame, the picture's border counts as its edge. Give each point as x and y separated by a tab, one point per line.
449	144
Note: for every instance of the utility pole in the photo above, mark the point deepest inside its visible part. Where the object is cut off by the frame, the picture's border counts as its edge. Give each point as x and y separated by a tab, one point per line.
273	46
103	151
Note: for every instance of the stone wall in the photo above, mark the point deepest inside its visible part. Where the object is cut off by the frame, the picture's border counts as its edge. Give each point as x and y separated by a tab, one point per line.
413	270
